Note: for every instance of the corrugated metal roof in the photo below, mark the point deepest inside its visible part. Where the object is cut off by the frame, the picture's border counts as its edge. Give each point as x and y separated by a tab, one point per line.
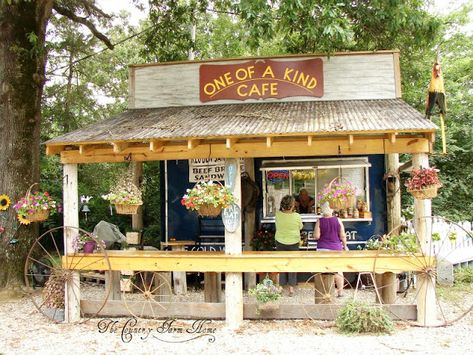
281	118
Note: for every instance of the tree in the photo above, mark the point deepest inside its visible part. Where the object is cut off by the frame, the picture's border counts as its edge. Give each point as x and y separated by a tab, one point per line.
23	55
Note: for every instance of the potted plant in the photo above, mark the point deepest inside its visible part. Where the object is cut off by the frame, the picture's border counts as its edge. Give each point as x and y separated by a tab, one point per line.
267	295
87	243
34	207
53	296
263	240
402	243
125	195
207	198
339	193
423	183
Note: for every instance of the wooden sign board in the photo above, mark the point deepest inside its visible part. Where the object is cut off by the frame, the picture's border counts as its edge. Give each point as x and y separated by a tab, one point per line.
209	169
261	79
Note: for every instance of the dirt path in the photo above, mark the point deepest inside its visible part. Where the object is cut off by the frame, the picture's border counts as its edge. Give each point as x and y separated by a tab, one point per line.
25	331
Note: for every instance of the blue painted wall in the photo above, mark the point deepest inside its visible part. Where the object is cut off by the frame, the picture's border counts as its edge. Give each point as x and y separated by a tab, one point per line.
184	224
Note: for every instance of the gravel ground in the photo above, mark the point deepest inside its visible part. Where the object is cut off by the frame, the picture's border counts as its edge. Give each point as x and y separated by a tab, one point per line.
25	331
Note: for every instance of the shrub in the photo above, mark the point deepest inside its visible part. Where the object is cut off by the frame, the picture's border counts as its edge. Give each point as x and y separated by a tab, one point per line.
358	317
463	275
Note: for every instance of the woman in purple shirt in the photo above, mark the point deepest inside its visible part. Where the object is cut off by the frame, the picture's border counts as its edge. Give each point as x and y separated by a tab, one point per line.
330	235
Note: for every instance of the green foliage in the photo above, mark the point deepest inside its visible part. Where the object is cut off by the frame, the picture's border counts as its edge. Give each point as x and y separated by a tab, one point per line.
152	235
402	243
263	240
463	275
266	291
358	317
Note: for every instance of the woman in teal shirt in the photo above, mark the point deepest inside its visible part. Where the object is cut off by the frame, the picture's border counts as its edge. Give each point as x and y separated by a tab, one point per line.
288	236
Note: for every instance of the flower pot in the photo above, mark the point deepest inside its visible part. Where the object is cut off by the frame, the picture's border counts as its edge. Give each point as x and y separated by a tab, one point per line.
133	237
426	193
269	306
127	209
89	246
209	210
38	216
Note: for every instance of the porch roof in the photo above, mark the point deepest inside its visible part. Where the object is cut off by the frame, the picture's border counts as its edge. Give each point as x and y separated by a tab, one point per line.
253	120
289	129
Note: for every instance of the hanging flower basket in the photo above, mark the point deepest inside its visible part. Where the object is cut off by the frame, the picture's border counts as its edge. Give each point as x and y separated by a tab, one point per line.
125	194
426	193
127	209
38	216
34	207
208	210
339	193
208	198
423	183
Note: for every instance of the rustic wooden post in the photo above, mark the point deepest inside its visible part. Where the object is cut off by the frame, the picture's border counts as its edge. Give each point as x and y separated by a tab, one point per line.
233	280
212	287
71	219
387	282
426	299
249	226
324	285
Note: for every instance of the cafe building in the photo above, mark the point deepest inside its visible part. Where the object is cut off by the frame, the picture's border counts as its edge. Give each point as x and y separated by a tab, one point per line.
289	123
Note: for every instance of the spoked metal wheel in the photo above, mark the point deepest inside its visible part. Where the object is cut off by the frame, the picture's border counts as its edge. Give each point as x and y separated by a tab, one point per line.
326	293
51	275
148	294
426	269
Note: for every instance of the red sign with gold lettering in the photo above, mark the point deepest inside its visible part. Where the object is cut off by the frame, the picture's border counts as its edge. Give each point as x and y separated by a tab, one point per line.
261	79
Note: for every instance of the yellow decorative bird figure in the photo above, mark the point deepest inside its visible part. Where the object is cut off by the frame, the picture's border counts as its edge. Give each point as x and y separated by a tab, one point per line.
436	95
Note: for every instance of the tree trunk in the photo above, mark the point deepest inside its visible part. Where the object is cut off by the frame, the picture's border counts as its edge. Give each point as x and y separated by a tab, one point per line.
22	69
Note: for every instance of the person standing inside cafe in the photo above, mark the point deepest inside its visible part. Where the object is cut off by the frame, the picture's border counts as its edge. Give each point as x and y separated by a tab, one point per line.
288	236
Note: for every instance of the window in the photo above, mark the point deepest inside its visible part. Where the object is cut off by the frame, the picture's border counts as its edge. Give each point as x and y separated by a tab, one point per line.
289	177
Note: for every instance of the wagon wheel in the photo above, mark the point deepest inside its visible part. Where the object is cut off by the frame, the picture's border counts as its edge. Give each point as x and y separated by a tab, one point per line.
47	270
325	292
433	278
147	294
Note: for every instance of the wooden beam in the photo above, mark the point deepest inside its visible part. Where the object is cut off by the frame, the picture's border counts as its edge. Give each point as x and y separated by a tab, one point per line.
269	142
207	310
230	142
156	146
309	141
119	147
54	149
392	137
249	261
71	219
257	149
430	136
86	149
193	143
350	139
405	166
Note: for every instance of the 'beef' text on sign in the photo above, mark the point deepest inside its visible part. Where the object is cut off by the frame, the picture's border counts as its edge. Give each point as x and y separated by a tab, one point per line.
209	169
260	79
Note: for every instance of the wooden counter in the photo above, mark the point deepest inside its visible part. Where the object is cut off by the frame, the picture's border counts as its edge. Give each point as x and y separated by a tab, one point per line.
250	261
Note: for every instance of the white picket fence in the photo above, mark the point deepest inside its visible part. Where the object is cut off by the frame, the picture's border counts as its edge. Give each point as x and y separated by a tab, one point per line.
458	251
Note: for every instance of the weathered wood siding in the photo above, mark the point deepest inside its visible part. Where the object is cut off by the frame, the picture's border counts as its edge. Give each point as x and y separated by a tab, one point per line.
346	77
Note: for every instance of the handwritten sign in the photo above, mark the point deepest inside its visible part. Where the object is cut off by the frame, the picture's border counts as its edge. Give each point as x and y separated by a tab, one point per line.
261	79
209	169
230	173
231	217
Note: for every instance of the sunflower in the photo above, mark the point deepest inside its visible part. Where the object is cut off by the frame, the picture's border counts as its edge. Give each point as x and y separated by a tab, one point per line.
23	220
4	202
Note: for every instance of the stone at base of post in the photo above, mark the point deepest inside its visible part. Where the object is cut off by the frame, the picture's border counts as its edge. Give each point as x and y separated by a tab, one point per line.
426	301
324	285
212	287
233	299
